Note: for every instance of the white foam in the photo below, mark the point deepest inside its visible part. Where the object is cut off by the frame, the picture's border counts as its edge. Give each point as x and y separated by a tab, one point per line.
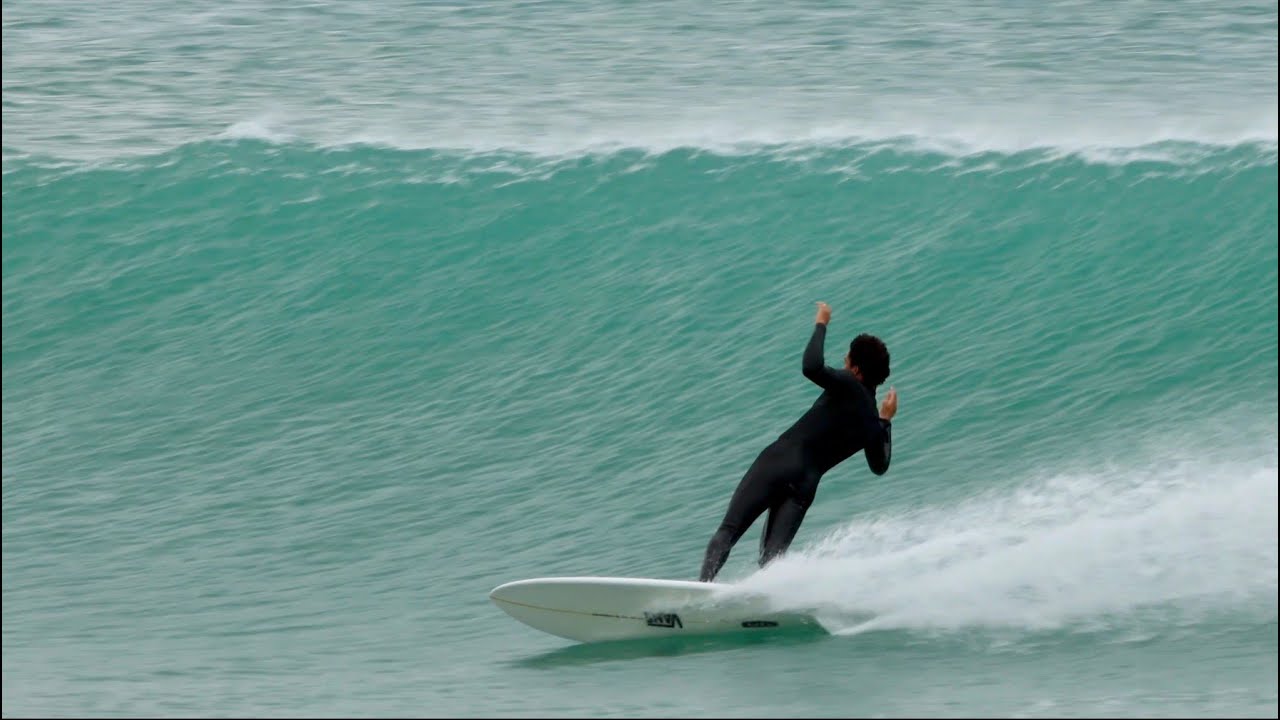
1123	135
1119	138
270	128
1177	539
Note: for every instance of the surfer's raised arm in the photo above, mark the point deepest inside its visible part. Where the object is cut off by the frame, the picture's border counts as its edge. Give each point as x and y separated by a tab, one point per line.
814	364
853	381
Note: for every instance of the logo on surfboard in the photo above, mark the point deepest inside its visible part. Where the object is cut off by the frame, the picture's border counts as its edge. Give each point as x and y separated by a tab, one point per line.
666	620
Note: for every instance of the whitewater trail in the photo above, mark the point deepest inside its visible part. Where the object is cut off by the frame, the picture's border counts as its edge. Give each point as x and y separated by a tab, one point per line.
1175	541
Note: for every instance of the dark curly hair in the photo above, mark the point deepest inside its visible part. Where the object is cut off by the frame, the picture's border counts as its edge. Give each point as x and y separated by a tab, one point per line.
871	356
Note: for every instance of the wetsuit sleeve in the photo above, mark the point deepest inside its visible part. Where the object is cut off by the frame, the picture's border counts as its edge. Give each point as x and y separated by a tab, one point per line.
876	430
826	377
880	448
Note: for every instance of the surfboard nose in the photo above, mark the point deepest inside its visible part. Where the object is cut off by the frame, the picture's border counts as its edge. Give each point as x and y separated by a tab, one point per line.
500	593
535	591
506	591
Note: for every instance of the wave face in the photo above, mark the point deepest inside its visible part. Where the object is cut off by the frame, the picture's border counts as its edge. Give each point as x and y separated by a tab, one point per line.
307	345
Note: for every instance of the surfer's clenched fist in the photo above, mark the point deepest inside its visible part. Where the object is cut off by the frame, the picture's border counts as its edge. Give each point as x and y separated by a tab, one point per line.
824	314
889	407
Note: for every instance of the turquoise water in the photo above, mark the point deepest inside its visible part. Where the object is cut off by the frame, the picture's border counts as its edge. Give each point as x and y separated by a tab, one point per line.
321	321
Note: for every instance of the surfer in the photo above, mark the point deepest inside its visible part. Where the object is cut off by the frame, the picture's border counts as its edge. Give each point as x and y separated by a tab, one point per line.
784	477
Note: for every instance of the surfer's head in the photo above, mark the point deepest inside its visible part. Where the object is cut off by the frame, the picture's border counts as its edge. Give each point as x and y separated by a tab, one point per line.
868	360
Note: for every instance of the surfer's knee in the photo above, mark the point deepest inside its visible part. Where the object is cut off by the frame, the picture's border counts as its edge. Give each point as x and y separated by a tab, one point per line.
728	533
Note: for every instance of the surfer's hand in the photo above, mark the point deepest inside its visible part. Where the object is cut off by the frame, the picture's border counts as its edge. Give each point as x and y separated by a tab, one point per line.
889	407
824	314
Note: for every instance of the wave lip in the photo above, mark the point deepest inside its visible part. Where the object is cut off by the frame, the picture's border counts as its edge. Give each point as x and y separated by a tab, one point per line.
1118	137
722	132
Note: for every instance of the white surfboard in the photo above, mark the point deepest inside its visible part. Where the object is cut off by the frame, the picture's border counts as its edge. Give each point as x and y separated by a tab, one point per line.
596	609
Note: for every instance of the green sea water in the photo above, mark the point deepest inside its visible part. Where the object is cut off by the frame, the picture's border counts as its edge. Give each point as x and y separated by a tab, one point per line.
322	320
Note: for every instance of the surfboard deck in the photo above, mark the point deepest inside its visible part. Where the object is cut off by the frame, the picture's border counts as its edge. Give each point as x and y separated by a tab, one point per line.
599	609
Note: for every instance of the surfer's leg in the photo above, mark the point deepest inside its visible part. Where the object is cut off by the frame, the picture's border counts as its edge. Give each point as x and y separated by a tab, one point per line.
780	529
785	515
747	504
755	493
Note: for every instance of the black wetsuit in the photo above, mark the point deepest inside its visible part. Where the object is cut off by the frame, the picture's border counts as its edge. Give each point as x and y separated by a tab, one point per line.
784	477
